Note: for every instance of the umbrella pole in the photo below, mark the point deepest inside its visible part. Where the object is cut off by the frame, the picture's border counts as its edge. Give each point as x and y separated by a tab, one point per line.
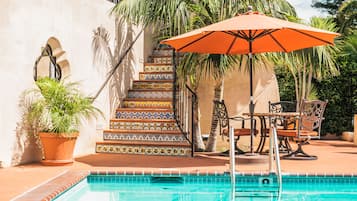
251	104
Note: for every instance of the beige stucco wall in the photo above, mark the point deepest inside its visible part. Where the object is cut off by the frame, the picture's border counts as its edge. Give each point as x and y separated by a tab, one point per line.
236	96
25	26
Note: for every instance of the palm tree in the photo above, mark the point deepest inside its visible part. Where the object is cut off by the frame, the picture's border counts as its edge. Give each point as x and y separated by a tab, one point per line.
209	12
173	17
346	17
317	62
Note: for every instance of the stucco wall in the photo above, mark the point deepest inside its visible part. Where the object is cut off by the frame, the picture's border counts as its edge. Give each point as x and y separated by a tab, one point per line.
25	26
236	96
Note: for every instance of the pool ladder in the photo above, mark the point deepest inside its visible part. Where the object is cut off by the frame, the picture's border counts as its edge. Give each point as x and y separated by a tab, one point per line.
258	191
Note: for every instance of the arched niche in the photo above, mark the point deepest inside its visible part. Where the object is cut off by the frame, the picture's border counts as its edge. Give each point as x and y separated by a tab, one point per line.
52	62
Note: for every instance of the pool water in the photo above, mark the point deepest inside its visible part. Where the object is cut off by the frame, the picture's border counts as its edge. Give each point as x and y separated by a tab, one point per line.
211	188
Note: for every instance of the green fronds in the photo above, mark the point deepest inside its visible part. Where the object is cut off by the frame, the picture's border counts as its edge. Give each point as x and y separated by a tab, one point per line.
56	106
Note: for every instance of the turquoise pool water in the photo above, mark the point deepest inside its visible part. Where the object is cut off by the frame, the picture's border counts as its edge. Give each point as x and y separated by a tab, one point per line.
211	188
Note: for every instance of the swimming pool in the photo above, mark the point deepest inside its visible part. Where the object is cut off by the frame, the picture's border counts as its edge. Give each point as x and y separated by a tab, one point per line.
211	188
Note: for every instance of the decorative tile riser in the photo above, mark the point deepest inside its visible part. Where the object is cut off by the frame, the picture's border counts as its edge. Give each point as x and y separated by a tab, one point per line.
162	60
164	76
147	104
162	52
153	126
151	85
150	94
144	115
144	137
160	68
144	150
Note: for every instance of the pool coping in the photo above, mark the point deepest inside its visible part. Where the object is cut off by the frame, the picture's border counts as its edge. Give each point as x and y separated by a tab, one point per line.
59	184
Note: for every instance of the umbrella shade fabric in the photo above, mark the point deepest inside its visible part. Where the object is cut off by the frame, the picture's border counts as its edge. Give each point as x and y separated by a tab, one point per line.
267	34
250	33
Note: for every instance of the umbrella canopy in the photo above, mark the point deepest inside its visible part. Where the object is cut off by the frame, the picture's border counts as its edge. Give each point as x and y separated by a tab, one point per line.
267	34
250	33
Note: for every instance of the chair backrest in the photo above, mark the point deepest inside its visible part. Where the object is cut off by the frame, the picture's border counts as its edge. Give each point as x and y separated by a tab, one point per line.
311	115
221	114
284	106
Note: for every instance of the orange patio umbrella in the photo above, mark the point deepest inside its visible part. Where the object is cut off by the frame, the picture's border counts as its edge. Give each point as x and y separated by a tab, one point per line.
250	33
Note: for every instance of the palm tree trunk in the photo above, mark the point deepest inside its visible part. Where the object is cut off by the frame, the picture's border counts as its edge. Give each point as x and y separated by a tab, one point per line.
309	79
212	138
299	92
296	83
198	141
303	90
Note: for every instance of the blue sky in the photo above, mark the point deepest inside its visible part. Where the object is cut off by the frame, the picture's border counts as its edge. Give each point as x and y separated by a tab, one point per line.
304	9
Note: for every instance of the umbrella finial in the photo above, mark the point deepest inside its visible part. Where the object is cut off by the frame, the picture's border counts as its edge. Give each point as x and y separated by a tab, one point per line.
250	8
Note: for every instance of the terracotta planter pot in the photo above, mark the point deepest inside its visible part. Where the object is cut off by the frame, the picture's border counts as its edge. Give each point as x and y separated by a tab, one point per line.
57	148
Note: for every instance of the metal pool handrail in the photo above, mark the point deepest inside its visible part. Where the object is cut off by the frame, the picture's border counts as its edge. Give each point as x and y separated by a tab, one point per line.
273	148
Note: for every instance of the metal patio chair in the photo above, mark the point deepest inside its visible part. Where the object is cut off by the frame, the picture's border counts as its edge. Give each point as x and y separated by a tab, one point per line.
222	117
307	127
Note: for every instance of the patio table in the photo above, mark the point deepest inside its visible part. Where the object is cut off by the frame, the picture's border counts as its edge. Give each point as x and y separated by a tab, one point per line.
272	122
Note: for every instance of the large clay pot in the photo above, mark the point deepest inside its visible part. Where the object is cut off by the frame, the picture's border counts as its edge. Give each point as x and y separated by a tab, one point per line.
57	148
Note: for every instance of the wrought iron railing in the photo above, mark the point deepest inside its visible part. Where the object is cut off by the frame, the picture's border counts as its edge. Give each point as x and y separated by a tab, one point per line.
183	103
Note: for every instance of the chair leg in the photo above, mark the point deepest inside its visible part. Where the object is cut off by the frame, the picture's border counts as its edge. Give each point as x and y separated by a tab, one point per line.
284	145
299	154
261	144
238	150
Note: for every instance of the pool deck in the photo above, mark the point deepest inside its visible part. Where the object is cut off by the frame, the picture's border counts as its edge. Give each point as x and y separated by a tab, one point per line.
334	158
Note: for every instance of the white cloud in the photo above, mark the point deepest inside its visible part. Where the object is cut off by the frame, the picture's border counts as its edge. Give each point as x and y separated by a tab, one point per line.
304	9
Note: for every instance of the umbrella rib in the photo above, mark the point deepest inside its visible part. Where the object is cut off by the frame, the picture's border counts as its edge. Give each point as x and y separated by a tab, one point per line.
190	43
312	36
265	32
231	45
277	42
240	34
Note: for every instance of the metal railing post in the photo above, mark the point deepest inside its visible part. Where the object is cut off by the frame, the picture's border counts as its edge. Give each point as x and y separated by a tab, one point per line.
232	157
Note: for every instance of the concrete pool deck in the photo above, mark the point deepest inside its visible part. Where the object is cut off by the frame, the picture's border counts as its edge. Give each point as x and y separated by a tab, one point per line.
334	158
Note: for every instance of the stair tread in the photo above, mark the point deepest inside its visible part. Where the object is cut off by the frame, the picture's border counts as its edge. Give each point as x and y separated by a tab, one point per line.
158	56
148	99
145	120
153	81
149	89
157	72
157	64
158	143
143	131
163	48
153	90
137	109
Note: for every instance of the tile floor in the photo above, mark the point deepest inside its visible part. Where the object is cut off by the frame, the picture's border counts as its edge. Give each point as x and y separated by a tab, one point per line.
334	157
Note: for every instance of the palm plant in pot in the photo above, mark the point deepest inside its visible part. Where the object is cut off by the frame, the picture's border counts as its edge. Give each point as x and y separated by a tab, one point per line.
55	111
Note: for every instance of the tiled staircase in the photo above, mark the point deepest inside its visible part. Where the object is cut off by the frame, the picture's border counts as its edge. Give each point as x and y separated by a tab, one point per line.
145	124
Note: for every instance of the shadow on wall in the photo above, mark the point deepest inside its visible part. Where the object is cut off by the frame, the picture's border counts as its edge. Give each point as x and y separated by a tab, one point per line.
123	77
103	55
27	147
51	58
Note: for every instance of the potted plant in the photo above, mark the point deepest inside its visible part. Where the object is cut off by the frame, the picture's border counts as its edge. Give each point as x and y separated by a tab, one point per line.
55	109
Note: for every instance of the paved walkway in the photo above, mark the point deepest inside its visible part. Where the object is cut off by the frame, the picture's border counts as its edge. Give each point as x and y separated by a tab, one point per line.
334	157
